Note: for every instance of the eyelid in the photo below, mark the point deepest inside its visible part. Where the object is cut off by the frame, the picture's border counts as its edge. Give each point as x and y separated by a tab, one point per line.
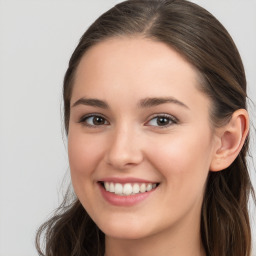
172	119
83	119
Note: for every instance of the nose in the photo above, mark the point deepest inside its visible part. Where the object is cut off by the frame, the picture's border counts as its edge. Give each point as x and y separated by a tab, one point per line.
125	149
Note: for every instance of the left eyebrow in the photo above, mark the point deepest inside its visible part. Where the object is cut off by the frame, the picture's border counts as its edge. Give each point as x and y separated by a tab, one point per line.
151	102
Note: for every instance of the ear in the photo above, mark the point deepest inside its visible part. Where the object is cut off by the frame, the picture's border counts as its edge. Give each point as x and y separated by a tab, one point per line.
230	140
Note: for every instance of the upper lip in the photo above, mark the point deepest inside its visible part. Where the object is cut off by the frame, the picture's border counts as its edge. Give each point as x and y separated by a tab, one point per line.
126	180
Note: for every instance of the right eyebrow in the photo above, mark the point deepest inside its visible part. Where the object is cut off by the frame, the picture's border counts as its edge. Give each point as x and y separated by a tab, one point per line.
91	102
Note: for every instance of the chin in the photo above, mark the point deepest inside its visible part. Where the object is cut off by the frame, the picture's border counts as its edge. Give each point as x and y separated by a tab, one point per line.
124	231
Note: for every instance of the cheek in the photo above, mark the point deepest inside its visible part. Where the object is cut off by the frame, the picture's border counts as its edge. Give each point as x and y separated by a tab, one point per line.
183	161
84	154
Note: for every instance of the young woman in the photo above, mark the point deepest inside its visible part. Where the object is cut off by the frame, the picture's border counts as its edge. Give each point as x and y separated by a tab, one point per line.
155	114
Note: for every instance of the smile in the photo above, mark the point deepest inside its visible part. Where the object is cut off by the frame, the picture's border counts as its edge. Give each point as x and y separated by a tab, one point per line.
126	192
128	189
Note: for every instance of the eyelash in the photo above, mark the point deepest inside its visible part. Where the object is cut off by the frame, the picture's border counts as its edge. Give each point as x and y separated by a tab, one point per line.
85	118
171	120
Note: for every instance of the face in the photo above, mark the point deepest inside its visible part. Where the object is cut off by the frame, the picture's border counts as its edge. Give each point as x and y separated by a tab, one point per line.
140	142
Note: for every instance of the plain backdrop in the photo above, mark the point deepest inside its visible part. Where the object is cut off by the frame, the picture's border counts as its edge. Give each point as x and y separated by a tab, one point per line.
37	38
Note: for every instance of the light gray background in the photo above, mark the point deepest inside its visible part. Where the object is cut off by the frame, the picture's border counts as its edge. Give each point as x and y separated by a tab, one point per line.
37	38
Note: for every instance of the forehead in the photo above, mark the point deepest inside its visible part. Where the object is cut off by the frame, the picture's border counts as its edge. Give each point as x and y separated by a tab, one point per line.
133	54
135	67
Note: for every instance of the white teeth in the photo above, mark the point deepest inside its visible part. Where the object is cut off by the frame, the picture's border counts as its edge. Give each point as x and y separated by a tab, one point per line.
143	188
149	187
106	184
128	188
136	188
111	187
118	189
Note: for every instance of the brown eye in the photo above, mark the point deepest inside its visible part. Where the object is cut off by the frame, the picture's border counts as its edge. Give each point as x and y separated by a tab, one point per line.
162	121
94	120
98	120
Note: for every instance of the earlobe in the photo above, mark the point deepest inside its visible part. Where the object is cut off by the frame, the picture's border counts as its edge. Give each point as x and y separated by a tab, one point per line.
231	139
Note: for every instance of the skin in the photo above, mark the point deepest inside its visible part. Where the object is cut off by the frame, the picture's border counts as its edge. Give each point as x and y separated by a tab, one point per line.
130	143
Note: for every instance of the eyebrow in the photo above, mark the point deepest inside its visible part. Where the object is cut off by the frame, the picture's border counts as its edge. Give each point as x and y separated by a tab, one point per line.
144	103
91	102
151	102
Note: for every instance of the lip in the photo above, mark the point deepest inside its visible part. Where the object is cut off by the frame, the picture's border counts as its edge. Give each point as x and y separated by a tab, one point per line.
126	201
126	180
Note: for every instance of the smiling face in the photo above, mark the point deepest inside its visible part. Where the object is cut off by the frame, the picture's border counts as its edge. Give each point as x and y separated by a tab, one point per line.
138	122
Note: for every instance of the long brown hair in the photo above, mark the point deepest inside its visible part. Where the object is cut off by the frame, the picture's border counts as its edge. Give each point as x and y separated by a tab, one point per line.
204	42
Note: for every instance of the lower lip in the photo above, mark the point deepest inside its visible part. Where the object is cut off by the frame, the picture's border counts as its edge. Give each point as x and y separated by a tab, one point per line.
118	200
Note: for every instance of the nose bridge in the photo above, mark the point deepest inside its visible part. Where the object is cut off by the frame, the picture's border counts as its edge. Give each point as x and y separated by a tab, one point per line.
125	148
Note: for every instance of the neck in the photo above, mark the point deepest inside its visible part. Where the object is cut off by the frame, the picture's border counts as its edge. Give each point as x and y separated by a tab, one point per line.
177	241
